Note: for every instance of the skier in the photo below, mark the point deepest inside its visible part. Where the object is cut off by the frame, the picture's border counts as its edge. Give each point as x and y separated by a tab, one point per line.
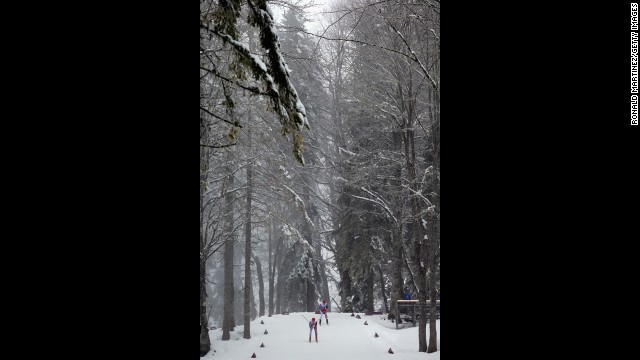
313	325
323	311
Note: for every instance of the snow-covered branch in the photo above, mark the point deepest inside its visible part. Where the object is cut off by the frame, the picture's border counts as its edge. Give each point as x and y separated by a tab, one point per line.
301	204
419	194
377	201
410	271
415	57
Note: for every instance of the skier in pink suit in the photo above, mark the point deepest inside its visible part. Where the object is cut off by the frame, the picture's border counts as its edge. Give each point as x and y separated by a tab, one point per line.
323	311
313	325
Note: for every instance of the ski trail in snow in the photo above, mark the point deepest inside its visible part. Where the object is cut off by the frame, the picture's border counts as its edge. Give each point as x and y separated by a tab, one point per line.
347	338
343	338
365	336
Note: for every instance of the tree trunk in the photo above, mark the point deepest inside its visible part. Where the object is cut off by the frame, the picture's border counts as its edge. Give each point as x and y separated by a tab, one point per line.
311	289
382	289
238	283
279	291
420	250
247	255
308	234
408	107
270	272
320	268
433	336
275	290
369	304
396	237
228	319
205	341
280	305
346	291
278	296
260	285
434	220
325	282
396	265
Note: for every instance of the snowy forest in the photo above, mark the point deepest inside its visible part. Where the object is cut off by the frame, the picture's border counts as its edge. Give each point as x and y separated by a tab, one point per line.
319	159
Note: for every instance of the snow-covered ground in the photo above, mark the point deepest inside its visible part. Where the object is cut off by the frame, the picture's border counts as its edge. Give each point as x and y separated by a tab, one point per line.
346	338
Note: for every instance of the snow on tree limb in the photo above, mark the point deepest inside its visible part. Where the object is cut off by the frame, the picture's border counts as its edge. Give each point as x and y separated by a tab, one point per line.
301	205
292	238
326	231
410	270
434	34
377	201
428	171
353	40
252	89
296	116
257	66
415	58
393	116
419	194
281	92
343	150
